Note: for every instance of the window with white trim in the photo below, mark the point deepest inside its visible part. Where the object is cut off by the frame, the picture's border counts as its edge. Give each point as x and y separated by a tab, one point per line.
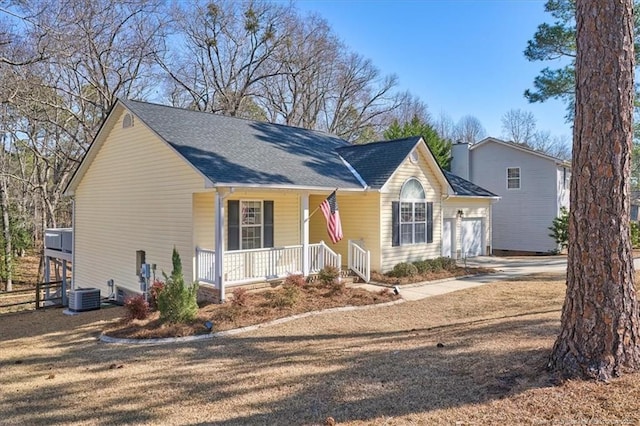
413	213
513	178
250	225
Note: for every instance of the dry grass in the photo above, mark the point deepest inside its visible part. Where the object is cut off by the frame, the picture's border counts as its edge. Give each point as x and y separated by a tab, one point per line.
380	366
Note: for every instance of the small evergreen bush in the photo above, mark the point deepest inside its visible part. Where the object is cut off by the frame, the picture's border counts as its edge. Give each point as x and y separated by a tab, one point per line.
635	234
448	263
404	269
328	274
560	228
177	302
285	297
423	266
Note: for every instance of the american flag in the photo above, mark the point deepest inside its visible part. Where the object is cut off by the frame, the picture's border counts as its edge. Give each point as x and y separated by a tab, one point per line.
329	208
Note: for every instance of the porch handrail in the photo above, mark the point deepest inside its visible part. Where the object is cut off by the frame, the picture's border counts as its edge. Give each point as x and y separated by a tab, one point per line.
206	265
321	255
359	261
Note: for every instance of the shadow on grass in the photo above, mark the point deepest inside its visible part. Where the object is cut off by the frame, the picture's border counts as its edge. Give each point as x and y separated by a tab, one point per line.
279	379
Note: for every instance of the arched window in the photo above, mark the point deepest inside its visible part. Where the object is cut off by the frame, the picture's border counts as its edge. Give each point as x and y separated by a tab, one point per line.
415	224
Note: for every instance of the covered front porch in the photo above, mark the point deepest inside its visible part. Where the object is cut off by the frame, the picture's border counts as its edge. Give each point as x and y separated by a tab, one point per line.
262	235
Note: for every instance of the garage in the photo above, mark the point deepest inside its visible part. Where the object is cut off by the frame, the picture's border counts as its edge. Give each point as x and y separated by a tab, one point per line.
471	237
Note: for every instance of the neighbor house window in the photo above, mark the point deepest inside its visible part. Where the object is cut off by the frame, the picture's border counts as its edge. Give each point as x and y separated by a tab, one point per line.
412	215
513	178
250	224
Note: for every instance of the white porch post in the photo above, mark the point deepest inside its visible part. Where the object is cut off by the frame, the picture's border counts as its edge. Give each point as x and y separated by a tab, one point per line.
304	232
219	245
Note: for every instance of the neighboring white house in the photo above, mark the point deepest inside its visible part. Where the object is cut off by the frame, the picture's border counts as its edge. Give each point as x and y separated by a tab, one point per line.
533	187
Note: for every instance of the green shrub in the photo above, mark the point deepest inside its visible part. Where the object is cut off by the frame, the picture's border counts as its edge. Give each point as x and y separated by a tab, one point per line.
635	234
328	274
423	266
285	297
177	302
404	269
448	263
560	228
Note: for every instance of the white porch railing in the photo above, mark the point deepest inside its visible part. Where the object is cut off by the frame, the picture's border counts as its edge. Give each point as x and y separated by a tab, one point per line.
320	255
260	264
245	266
359	261
206	265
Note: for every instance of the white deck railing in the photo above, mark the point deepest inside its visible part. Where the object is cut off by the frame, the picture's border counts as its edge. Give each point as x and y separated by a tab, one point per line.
245	266
359	261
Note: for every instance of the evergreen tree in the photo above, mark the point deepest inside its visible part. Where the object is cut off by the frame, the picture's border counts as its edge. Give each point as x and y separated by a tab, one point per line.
440	148
177	302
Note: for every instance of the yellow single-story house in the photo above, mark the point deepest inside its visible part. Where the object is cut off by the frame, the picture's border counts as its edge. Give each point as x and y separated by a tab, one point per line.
238	199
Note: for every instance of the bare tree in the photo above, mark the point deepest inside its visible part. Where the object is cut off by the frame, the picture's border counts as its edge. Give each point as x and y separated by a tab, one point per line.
228	49
519	126
600	329
469	130
445	127
555	146
95	51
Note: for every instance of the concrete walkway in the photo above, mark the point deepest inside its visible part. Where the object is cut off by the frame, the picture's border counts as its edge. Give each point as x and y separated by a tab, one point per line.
507	268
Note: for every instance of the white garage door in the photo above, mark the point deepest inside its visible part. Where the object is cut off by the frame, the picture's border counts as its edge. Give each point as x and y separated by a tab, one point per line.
447	237
471	236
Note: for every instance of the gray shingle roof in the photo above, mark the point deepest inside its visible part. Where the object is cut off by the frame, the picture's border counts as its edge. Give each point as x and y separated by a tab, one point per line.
375	162
465	188
233	150
230	150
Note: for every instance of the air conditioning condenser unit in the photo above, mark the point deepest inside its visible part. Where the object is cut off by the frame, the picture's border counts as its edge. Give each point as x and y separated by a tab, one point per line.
84	299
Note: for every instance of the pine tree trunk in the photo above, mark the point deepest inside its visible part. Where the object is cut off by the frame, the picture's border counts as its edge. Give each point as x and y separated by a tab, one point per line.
600	331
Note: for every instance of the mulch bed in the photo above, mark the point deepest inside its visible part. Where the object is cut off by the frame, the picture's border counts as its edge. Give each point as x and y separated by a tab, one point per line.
252	308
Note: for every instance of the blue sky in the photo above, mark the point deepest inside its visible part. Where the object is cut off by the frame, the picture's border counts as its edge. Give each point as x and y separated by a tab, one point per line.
461	57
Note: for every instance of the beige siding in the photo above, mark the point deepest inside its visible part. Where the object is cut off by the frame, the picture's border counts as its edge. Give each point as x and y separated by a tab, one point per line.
471	208
286	214
391	192
360	218
204	216
137	195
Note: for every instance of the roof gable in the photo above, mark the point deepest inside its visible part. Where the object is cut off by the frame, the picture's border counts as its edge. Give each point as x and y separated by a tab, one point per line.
233	151
520	147
377	161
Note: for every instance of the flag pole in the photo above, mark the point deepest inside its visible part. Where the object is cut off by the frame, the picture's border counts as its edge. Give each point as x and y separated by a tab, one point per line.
318	208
